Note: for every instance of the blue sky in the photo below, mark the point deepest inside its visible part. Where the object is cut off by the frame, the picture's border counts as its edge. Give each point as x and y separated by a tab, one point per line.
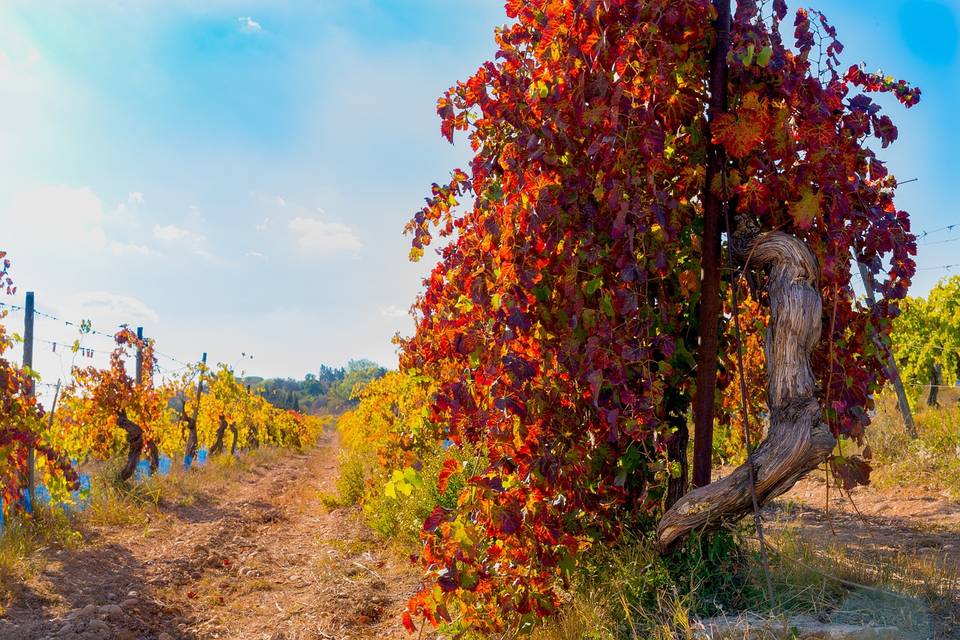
234	176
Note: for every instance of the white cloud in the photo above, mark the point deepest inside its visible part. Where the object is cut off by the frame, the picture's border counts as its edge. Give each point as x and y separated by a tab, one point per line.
69	222
178	235
392	311
135	197
169	233
263	226
314	234
187	240
249	25
131	249
254	254
108	308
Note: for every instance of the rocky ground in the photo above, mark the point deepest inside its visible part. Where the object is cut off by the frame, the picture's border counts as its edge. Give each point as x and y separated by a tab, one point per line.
262	561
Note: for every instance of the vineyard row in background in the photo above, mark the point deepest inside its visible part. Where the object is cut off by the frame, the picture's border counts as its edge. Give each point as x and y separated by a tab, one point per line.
104	414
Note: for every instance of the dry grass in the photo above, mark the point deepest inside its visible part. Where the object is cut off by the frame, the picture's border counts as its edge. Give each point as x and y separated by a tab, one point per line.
118	504
932	461
25	541
631	596
914	594
837	566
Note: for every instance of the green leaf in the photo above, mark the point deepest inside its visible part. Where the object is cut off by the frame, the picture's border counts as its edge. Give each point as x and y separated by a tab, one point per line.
763	58
390	490
542	292
606	305
591	287
465	304
589	317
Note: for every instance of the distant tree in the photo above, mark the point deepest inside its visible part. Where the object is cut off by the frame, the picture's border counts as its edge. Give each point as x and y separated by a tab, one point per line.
330	375
358	374
926	335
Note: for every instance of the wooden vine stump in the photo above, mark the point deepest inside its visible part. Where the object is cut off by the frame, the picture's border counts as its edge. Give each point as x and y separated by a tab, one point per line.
797	440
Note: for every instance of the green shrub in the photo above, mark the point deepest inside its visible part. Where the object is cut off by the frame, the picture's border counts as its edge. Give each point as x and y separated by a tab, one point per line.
399	513
351	484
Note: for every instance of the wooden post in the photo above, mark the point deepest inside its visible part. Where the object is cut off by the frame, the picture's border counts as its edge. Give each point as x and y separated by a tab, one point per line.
894	371
153	453
196	407
53	405
29	310
192	443
139	357
710	305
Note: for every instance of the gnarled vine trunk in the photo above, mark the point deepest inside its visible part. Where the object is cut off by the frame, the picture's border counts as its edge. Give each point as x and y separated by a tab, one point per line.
936	379
253	440
798	440
236	437
134	446
153	453
191	450
217	447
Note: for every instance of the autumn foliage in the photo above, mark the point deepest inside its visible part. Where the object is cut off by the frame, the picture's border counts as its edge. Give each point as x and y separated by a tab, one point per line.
560	323
729	443
92	403
87	422
22	422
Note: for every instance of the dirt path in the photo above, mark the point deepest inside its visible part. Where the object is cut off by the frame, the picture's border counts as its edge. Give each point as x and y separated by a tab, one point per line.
894	521
909	538
264	560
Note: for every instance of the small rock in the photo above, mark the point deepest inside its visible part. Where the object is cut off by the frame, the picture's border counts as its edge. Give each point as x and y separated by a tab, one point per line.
112	611
97	625
132	594
82	612
130	603
164	636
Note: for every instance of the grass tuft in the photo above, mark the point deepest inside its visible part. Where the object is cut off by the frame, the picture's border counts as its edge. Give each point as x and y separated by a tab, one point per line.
23	543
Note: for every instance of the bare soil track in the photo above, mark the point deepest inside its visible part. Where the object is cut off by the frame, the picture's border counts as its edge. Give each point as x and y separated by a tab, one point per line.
918	522
264	560
909	534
